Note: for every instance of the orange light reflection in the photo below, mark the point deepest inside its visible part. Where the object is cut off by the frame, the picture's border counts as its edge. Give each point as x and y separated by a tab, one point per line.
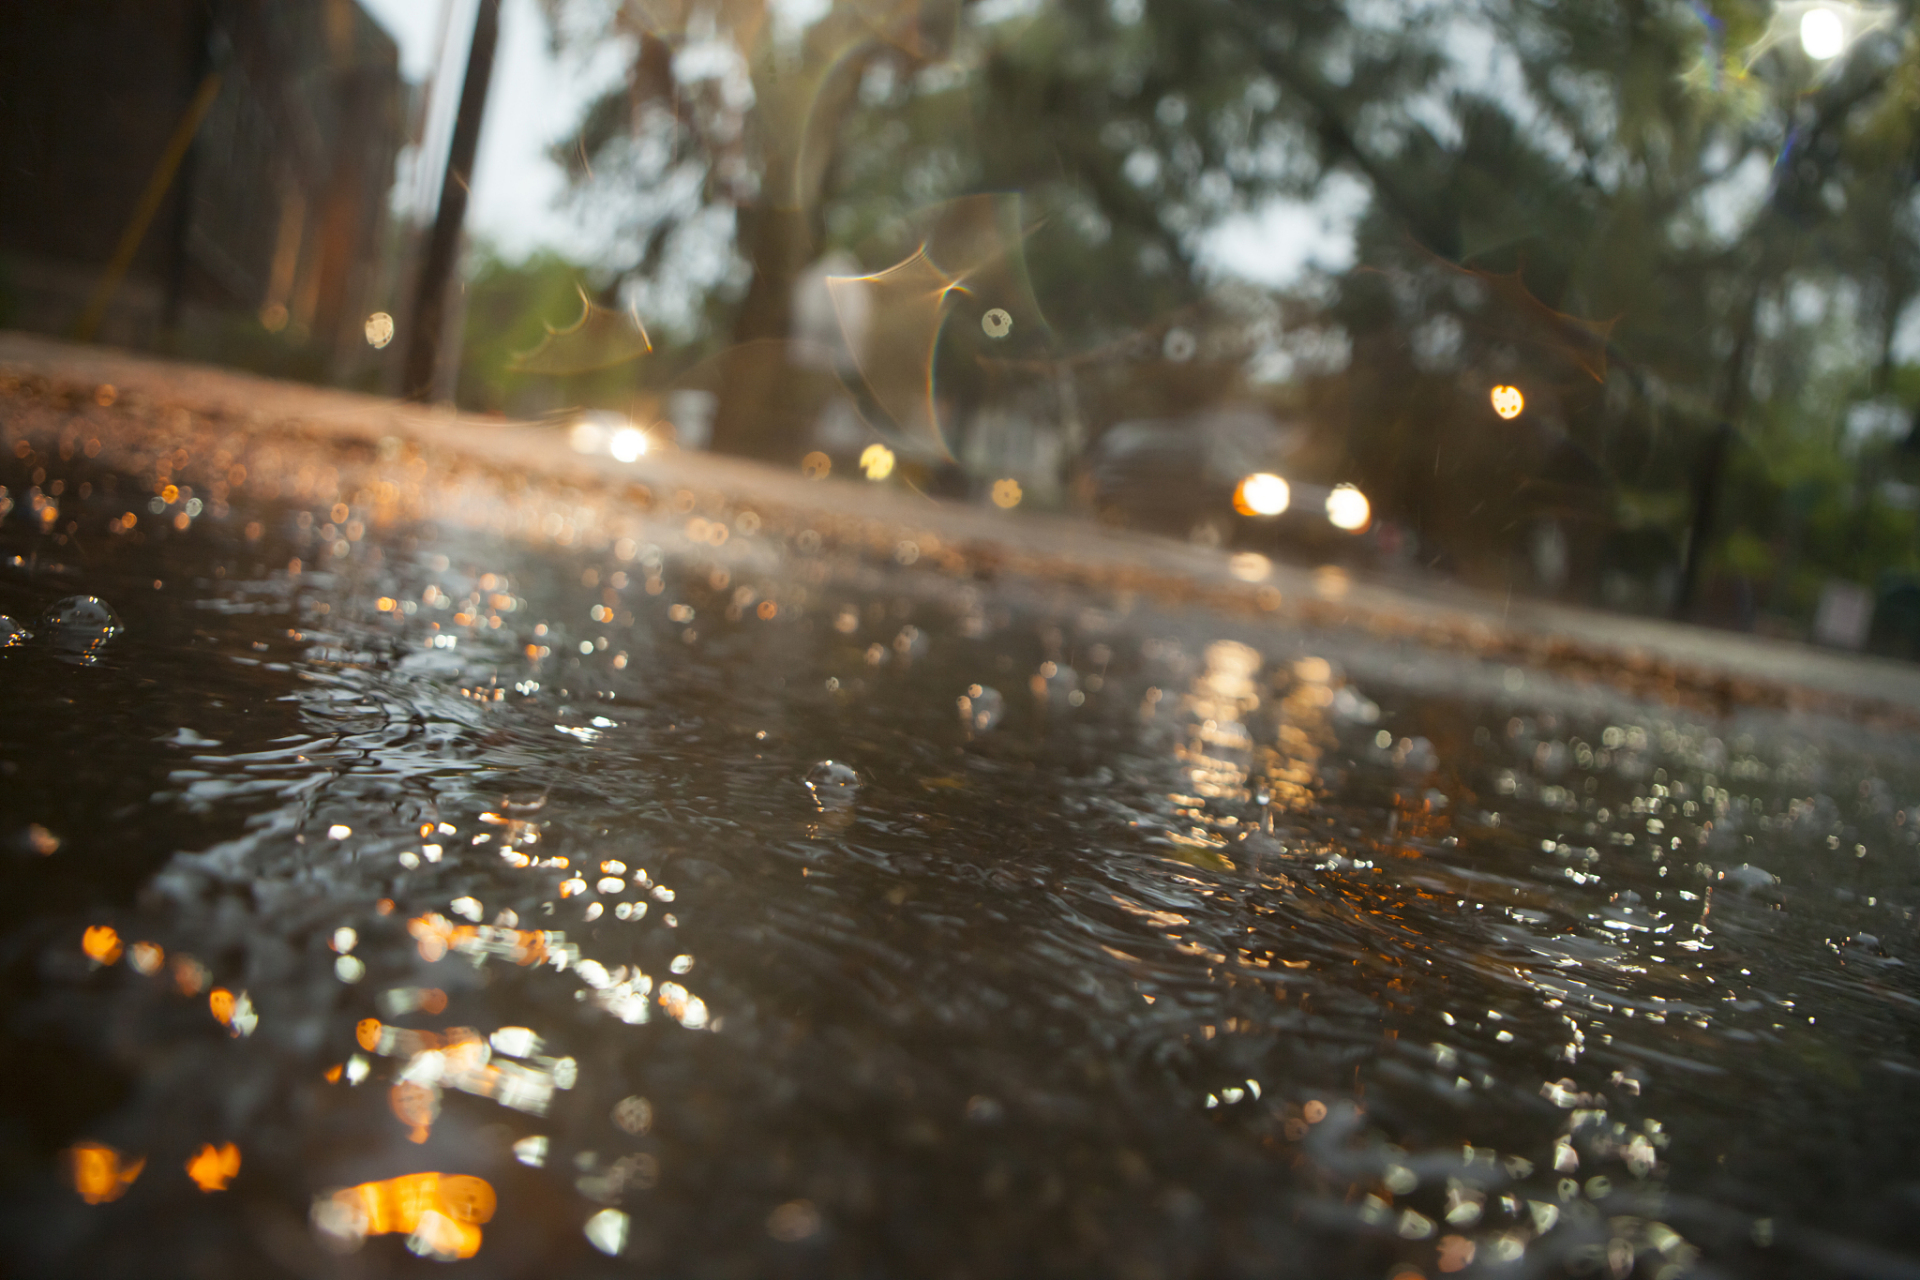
212	1168
100	1173
101	944
443	1212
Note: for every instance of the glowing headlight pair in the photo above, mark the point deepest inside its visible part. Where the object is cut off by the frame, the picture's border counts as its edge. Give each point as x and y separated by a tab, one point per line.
1265	494
626	442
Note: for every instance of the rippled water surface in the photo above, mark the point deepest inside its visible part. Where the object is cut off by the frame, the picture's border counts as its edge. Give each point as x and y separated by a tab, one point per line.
1113	942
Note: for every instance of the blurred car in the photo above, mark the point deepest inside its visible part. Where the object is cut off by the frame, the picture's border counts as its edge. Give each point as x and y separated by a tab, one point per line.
1226	477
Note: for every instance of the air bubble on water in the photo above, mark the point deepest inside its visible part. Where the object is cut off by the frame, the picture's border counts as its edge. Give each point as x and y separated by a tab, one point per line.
833	785
981	707
81	622
1056	684
12	633
1748	878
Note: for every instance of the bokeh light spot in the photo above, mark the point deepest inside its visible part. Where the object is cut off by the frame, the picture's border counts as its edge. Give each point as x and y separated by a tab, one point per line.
101	944
212	1168
1822	34
100	1173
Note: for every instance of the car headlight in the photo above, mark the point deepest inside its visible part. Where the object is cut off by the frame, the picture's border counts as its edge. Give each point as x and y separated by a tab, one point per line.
1348	508
629	444
1262	494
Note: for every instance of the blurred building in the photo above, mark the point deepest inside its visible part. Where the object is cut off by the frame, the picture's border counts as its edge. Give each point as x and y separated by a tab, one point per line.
268	244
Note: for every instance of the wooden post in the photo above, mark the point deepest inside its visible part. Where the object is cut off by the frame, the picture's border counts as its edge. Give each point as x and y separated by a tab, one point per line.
443	245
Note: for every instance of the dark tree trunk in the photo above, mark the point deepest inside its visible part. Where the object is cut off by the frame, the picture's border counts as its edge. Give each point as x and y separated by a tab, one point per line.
761	413
754	418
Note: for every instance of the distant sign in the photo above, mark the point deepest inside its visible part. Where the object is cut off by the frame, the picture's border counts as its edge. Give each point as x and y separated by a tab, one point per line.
1844	615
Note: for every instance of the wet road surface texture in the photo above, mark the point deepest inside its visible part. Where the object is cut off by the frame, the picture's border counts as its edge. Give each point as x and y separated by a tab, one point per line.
409	867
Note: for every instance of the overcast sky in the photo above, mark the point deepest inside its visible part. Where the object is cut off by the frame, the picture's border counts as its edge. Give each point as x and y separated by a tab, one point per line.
535	100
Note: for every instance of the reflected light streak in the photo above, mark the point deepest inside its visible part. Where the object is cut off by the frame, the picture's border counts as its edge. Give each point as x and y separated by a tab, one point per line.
442	1213
459	1058
417	1105
1218	753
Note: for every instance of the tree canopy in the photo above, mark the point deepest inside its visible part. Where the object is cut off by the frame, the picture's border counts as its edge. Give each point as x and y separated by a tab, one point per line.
1652	216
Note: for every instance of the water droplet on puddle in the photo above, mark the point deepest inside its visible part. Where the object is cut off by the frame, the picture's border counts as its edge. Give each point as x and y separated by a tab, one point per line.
81	623
833	785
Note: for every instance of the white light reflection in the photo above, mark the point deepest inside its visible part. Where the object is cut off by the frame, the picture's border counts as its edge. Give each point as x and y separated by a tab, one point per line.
1822	35
607	1231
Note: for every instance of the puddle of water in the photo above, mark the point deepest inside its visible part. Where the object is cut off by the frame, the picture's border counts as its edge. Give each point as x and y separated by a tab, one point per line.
537	881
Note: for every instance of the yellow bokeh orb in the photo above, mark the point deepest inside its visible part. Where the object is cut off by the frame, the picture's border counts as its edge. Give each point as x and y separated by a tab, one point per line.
1508	402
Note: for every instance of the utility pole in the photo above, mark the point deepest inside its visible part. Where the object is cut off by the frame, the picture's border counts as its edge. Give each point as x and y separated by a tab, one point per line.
443	246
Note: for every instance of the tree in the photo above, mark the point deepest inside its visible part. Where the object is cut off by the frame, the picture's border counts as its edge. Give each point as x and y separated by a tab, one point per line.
1629	218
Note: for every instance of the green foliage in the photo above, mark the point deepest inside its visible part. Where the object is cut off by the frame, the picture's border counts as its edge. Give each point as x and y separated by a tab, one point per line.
1653	216
510	308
